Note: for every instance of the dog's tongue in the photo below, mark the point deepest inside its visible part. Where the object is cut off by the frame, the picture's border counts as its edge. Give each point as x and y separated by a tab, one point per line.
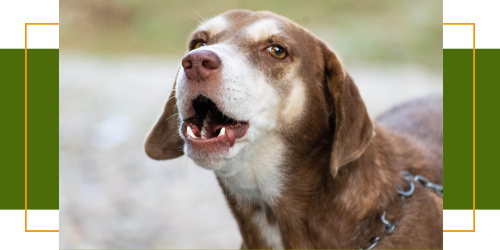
230	136
221	142
216	146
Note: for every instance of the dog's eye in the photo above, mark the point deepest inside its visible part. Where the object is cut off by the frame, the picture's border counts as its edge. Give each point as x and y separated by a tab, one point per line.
199	44
277	52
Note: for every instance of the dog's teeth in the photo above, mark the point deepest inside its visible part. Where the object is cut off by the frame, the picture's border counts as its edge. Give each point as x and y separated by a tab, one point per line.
205	122
190	132
208	116
204	131
222	132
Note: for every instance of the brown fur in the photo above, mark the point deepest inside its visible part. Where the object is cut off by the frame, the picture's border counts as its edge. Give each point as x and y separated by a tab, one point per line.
342	170
162	143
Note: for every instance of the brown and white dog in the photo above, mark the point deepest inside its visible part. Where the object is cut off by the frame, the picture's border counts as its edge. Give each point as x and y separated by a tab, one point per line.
271	110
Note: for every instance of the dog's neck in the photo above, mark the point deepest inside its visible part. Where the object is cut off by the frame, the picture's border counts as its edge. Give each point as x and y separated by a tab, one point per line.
255	177
276	201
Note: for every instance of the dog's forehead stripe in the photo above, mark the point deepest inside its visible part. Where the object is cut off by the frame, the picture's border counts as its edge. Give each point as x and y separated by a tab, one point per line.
262	29
214	25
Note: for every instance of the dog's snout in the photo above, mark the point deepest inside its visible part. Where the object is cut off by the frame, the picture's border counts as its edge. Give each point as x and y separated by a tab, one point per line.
201	64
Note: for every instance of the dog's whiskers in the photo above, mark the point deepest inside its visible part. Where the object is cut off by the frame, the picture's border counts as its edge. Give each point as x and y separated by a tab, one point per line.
192	17
239	107
198	14
154	101
185	168
170	98
172	116
255	91
212	182
176	50
257	99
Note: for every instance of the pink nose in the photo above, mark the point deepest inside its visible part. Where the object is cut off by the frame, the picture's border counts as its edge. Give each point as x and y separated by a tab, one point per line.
199	65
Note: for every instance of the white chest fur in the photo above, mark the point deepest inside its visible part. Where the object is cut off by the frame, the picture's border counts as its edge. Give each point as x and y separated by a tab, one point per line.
270	233
258	180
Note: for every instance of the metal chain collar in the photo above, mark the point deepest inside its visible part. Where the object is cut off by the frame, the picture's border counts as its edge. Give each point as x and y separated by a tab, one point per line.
438	189
388	227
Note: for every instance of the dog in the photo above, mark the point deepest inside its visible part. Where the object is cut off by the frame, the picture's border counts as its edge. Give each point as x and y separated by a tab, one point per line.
270	108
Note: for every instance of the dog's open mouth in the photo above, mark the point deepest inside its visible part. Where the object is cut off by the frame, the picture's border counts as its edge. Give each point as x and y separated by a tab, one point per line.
210	127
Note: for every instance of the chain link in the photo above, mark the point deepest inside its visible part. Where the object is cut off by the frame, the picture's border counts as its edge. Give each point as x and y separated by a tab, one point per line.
438	189
388	227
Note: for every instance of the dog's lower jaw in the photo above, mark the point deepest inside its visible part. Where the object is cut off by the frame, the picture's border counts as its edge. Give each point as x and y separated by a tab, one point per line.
217	161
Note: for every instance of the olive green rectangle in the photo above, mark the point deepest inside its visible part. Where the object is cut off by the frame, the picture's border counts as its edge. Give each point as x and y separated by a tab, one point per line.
487	132
42	129
457	128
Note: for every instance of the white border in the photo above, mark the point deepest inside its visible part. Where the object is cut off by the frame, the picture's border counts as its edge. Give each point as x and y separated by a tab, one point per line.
13	235
486	235
43	219
43	36
457	37
457	219
14	14
484	13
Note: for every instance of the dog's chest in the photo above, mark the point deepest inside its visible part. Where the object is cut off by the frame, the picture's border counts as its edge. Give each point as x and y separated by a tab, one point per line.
258	189
268	229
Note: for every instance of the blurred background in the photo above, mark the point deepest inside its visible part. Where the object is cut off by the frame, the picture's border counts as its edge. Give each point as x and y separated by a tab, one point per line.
118	60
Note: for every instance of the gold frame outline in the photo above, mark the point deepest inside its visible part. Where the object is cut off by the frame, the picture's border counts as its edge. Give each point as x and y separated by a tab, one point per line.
473	129
26	127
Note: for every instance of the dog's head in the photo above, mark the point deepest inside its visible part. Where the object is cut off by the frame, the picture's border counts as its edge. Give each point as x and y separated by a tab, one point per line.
256	81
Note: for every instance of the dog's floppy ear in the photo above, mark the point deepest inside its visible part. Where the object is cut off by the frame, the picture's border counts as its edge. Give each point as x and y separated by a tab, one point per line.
164	141
347	113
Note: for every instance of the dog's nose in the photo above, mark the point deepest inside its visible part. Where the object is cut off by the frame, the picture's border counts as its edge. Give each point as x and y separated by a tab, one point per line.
198	65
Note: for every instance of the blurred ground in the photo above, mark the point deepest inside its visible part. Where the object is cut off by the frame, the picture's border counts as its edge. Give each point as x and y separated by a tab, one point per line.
118	60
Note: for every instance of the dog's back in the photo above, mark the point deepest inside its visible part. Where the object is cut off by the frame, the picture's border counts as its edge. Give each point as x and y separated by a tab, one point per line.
421	120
